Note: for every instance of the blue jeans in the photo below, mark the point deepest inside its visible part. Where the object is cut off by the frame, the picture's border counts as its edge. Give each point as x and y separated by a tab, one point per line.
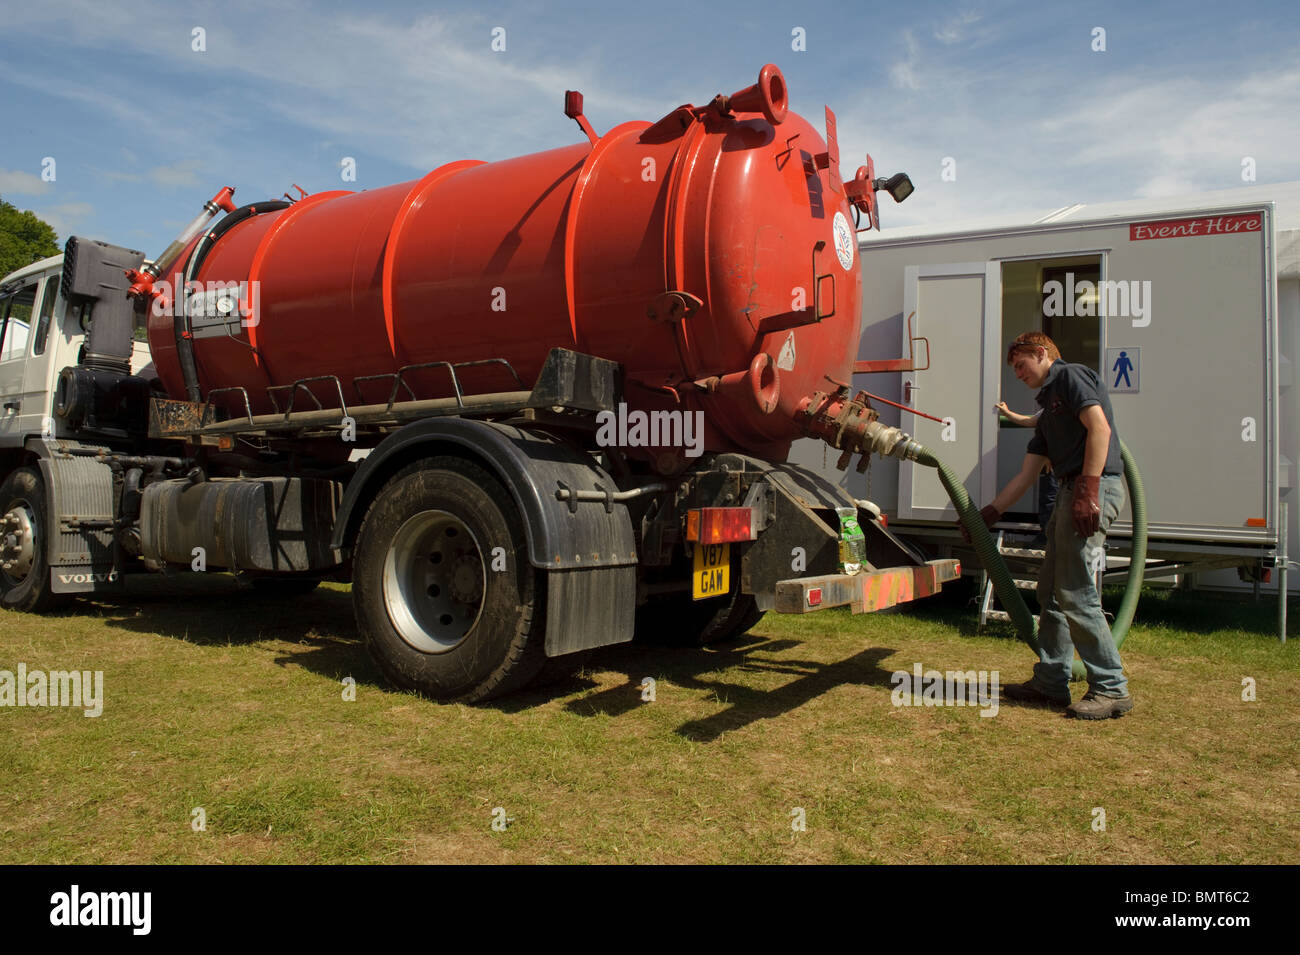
1071	616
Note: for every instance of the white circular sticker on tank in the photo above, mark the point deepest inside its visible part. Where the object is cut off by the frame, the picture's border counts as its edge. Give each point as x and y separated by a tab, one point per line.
843	241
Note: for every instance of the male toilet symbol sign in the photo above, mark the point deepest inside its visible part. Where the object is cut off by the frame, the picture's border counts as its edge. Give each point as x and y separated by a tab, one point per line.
1123	371
1122	364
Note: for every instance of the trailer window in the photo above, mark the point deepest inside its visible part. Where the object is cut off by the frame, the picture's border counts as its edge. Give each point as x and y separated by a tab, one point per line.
17	322
48	298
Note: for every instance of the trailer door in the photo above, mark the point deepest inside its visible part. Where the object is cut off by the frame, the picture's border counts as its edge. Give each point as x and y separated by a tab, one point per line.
957	307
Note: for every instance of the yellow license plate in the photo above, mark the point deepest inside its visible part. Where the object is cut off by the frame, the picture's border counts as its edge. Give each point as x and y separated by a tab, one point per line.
712	576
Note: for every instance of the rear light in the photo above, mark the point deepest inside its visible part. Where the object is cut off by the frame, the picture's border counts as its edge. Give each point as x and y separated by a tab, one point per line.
1256	522
720	525
814	597
884	520
957	569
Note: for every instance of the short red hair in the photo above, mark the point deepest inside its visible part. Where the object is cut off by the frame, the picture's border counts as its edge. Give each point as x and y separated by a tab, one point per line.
1030	342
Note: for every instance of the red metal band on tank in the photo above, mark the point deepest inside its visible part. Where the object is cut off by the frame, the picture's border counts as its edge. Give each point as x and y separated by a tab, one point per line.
598	150
259	257
675	231
417	196
703	238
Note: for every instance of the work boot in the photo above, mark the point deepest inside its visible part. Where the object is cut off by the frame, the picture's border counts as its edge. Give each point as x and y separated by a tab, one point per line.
1094	706
1029	694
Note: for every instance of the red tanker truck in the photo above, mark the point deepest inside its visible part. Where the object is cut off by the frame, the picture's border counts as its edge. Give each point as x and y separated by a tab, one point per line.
528	408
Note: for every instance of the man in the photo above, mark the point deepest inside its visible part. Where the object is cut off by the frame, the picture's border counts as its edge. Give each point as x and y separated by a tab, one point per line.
1076	433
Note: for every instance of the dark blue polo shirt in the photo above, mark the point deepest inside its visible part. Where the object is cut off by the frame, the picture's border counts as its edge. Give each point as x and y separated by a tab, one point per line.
1059	434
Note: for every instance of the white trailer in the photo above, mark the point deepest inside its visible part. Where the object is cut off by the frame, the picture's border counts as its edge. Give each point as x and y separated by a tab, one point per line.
1187	307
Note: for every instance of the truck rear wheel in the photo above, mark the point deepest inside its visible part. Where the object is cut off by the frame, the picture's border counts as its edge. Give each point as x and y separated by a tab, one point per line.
443	590
24	570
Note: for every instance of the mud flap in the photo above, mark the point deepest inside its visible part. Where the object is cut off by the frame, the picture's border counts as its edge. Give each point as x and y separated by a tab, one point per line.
589	608
79	501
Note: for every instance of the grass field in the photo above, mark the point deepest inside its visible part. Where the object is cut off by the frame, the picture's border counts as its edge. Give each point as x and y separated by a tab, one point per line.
235	703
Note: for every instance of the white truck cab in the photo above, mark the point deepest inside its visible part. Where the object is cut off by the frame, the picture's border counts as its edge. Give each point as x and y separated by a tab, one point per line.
40	334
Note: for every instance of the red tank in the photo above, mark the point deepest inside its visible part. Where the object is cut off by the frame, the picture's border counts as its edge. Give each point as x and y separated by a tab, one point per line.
710	253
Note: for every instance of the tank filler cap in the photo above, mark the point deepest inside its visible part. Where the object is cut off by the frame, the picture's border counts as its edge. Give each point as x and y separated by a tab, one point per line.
768	96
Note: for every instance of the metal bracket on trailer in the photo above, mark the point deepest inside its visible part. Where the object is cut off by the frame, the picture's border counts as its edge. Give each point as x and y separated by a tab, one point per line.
865	592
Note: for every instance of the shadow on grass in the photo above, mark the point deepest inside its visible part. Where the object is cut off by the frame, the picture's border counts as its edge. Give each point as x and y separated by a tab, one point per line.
214	610
696	669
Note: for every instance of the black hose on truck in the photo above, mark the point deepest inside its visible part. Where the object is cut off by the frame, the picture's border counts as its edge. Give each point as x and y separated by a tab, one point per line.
181	320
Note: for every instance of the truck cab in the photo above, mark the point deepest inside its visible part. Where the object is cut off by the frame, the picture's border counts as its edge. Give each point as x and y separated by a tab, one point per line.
40	334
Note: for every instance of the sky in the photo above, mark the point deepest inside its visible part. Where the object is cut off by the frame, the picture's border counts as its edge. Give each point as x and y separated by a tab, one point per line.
123	118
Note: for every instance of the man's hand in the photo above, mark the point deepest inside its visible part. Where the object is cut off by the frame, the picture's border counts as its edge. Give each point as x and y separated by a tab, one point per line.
989	514
1084	508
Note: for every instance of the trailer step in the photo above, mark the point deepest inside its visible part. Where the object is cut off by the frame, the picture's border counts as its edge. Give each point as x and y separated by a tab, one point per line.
1023	552
1027	555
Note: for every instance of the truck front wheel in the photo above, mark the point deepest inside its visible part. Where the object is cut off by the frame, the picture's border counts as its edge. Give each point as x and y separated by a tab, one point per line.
444	594
24	571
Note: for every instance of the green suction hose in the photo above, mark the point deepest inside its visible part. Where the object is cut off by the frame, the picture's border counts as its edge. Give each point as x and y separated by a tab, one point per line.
1003	584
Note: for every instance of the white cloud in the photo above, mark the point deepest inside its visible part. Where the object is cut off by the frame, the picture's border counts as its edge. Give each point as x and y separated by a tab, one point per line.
372	82
1029	136
15	182
902	73
1186	131
182	173
67	217
953	30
